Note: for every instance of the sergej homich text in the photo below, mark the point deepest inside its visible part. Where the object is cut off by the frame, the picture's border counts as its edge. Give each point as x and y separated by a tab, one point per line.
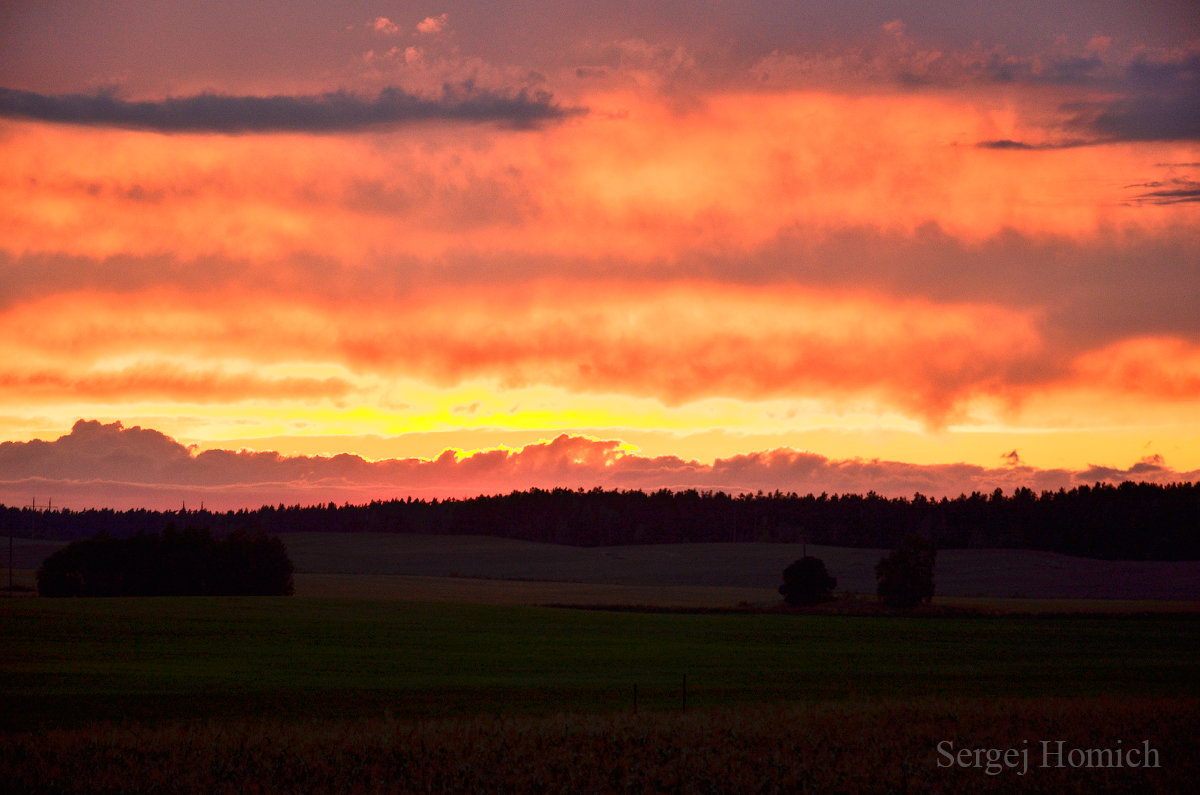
1053	753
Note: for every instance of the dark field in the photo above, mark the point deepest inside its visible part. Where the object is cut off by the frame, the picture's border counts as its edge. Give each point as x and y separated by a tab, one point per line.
753	569
828	747
198	694
996	573
447	676
175	658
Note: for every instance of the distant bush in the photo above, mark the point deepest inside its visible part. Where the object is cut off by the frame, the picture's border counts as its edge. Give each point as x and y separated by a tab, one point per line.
806	582
905	577
186	562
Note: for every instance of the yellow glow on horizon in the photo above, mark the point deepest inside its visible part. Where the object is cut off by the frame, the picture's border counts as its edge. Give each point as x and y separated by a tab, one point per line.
704	431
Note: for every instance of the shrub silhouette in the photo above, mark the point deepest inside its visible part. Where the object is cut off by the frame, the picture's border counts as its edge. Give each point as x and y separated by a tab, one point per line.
806	582
905	577
186	562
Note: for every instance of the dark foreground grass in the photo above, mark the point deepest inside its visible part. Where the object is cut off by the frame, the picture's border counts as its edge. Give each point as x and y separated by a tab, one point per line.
833	747
72	661
337	695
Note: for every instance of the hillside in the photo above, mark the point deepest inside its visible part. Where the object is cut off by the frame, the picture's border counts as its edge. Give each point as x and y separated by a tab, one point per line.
996	573
973	572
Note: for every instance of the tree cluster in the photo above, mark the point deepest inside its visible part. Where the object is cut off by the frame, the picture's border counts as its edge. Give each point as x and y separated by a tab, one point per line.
807	582
188	562
904	577
1132	521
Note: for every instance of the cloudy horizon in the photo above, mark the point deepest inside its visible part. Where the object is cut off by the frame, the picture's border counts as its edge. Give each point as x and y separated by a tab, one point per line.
100	465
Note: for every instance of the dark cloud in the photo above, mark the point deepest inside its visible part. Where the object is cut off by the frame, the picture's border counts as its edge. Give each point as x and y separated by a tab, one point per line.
1160	101
1004	143
1150	465
998	66
1023	146
109	465
1070	70
324	113
1178	191
1139	95
1146	99
1149	118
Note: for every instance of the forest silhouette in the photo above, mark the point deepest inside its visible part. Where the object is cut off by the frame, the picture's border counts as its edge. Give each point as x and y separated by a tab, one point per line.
1130	521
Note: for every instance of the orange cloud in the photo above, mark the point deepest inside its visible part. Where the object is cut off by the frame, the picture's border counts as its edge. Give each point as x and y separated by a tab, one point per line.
1146	383
161	382
683	356
675	342
739	171
1163	368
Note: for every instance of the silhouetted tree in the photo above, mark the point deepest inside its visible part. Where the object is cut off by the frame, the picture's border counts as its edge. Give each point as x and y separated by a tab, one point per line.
176	563
806	582
254	564
905	577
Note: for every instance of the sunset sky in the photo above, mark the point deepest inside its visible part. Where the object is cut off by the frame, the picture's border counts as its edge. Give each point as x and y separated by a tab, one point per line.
302	251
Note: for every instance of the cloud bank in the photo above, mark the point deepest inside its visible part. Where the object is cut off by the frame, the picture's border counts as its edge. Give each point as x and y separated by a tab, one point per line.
108	465
324	113
923	232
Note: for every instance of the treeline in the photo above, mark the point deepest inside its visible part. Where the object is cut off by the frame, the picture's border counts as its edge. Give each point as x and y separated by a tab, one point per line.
1132	521
187	562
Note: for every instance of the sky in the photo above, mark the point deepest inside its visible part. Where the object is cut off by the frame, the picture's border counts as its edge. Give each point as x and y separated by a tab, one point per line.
306	251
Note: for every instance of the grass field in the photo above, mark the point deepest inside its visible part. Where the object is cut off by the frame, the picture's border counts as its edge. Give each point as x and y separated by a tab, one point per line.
172	659
376	680
270	694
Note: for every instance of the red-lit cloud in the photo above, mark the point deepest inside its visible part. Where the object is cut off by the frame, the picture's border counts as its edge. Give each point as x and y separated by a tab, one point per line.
430	25
675	343
385	26
112	466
